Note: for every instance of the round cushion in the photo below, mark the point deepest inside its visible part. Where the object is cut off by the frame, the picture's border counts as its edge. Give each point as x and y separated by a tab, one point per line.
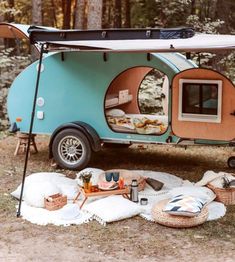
165	219
128	176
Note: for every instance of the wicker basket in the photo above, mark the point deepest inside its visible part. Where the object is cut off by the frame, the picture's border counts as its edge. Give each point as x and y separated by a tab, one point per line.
166	219
55	202
224	195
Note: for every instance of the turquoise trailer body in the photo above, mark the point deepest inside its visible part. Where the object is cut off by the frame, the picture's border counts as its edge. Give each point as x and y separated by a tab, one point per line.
74	89
83	69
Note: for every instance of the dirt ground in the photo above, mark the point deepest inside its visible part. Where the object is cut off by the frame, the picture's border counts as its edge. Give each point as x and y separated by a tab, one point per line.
129	240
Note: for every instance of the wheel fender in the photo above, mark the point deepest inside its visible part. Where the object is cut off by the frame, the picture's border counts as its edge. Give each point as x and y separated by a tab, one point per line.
85	128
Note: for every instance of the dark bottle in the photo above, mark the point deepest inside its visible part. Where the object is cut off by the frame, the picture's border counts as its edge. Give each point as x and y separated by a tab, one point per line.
134	191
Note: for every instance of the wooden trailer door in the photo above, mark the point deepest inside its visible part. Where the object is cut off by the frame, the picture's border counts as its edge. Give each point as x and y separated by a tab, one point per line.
203	105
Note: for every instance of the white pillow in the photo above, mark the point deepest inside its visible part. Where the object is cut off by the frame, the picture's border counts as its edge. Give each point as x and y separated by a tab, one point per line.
35	193
94	178
183	205
66	185
112	208
115	113
203	193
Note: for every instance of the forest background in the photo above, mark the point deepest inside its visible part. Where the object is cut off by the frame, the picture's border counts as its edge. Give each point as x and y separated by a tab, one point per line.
208	16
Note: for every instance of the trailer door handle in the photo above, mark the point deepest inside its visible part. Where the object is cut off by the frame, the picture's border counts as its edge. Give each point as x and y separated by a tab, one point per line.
233	113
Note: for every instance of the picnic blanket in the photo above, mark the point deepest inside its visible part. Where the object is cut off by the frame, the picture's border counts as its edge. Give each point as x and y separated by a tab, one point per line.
107	209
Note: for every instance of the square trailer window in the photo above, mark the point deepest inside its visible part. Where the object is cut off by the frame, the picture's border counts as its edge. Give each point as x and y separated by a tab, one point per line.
200	100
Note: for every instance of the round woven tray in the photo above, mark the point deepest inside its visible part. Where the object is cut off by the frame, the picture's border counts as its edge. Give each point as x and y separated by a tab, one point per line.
224	195
128	177
165	219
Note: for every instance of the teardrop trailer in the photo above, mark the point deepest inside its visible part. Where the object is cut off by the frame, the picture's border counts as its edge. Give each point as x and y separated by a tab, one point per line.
87	91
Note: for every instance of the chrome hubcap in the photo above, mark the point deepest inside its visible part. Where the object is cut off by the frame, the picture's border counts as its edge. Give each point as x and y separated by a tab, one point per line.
70	150
232	162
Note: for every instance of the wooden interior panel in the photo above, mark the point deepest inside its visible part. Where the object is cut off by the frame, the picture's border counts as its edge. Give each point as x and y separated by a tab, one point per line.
130	79
201	130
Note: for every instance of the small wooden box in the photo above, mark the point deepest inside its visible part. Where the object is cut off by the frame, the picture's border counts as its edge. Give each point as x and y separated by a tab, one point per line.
123	96
55	202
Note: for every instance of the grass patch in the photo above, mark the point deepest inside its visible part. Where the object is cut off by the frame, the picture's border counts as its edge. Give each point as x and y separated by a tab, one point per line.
134	236
7	203
221	229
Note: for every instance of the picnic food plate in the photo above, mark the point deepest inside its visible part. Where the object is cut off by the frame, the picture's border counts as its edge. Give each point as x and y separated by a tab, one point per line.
107	185
110	188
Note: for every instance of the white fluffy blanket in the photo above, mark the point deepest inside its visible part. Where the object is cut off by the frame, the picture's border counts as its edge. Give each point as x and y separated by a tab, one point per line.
71	214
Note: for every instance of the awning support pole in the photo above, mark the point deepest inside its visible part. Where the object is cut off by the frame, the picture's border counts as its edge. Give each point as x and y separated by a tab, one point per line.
30	129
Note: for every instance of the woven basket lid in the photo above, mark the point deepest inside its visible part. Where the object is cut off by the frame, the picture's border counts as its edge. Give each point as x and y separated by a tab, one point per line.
166	219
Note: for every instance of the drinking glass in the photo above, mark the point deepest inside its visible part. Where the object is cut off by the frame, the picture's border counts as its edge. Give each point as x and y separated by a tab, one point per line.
115	176
108	176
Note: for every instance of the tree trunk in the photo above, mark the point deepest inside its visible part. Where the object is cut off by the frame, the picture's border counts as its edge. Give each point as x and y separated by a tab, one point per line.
66	7
117	14
36	12
80	16
36	20
1	20
9	17
193	7
94	14
54	13
127	23
104	14
110	15
223	13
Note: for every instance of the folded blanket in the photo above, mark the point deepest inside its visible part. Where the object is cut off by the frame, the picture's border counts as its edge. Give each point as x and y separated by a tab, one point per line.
208	177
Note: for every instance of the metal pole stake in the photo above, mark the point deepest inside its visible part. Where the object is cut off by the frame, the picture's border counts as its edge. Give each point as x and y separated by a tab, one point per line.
30	129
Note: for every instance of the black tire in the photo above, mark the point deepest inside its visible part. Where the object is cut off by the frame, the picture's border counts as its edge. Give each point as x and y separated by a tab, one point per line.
71	149
115	145
231	162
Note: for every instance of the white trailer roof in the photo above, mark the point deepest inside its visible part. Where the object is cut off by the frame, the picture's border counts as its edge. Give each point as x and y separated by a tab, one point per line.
197	43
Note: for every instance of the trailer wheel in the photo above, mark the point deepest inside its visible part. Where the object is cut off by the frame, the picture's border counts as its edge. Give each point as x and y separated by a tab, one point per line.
71	149
231	162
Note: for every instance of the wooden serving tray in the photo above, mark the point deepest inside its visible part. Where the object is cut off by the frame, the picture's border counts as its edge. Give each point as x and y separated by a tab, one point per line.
124	192
105	192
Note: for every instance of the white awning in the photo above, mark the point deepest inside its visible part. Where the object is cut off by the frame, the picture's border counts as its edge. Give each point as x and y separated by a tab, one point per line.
197	43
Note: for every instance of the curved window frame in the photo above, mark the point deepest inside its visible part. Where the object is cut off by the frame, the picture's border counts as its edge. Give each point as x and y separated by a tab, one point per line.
134	133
